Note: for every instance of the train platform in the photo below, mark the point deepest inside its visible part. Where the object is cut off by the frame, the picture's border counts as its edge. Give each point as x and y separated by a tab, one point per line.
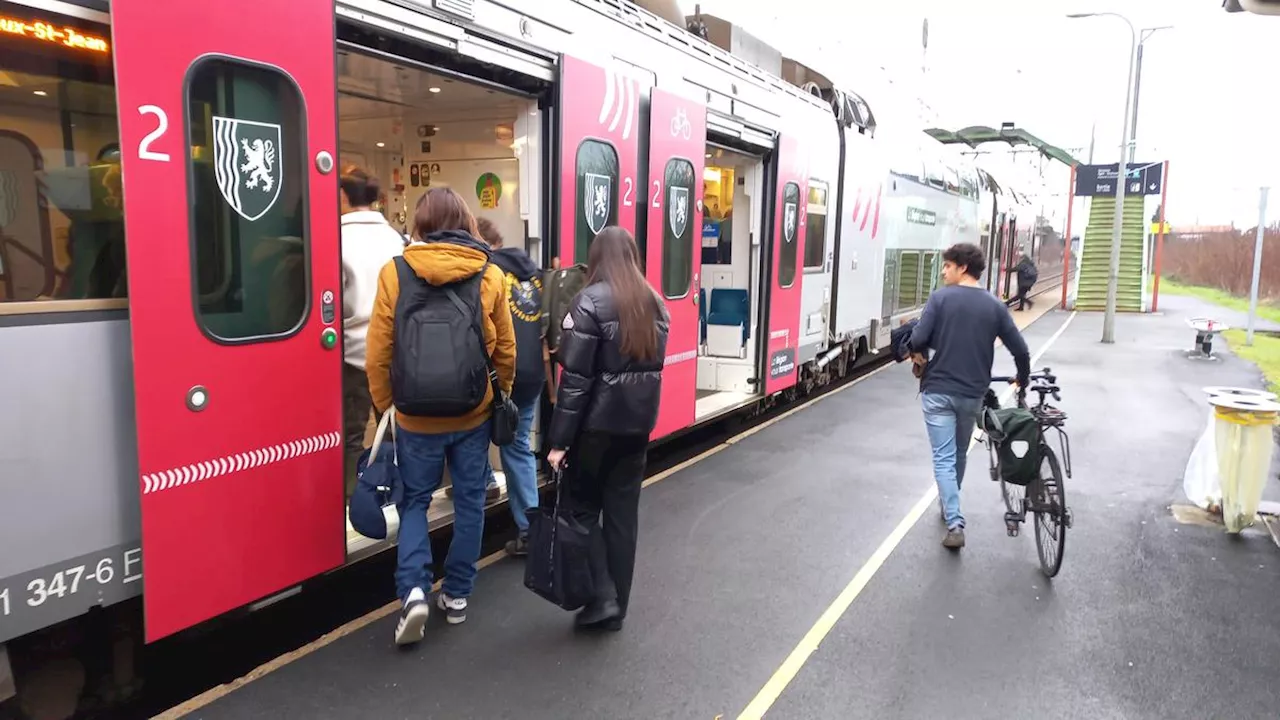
797	571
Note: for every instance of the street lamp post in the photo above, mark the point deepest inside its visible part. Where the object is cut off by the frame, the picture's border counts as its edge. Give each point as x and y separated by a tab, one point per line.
1137	89
1122	176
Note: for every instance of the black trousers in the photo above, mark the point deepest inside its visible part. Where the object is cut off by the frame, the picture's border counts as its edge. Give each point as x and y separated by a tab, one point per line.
356	404
1022	296
603	476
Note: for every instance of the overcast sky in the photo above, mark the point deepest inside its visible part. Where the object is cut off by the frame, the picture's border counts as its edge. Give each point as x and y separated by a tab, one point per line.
1023	61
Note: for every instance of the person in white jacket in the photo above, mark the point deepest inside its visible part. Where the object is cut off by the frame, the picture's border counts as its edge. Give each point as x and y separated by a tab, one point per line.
368	243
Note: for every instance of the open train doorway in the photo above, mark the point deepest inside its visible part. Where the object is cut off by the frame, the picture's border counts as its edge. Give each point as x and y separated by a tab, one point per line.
729	373
416	128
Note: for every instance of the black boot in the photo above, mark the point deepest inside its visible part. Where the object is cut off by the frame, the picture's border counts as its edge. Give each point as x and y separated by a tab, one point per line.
604	615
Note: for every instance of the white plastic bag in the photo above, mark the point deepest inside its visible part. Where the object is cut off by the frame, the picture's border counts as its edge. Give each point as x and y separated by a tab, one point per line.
1200	482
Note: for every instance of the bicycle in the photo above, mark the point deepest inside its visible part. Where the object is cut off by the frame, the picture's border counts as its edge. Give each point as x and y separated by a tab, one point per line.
1045	495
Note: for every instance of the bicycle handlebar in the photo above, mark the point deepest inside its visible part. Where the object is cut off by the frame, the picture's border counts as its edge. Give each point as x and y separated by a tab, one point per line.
1043	382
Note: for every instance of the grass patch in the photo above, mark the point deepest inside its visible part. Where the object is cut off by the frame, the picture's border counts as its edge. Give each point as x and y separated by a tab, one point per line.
1266	311
1265	353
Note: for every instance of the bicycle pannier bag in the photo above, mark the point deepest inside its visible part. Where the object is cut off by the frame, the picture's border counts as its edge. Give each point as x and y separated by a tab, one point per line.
1017	445
440	366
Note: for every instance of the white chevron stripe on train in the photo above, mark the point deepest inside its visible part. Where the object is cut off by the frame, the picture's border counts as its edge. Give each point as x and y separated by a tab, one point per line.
208	469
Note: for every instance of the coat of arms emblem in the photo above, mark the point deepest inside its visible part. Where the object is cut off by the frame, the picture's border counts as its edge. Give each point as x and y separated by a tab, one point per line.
596	191
678	210
247	164
789	222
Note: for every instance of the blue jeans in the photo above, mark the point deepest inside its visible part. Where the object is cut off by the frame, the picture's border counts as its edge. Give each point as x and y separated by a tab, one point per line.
422	460
949	421
521	468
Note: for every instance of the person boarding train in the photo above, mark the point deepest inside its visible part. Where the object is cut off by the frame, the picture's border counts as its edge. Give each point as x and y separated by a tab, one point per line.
368	243
440	329
612	349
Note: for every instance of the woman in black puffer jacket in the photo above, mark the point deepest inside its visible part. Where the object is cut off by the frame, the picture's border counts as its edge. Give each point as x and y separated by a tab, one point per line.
612	349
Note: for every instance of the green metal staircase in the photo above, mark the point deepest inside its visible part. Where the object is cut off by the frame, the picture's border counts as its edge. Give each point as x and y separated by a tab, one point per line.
1095	265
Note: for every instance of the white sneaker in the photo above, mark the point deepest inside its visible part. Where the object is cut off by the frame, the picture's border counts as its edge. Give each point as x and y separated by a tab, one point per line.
455	608
413	618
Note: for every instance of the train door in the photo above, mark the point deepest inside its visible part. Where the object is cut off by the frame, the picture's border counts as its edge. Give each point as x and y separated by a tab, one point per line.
232	230
677	139
791	193
599	121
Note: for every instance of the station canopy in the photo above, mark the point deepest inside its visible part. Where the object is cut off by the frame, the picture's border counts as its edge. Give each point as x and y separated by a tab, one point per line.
976	135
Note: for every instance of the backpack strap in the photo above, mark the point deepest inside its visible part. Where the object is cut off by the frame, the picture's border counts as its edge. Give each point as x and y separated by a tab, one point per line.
405	276
478	326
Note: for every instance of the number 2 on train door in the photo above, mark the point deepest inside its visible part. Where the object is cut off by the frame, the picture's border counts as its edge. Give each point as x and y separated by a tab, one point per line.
677	142
249	421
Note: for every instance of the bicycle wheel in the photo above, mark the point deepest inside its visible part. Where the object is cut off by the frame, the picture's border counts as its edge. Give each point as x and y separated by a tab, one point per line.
1014	495
1050	507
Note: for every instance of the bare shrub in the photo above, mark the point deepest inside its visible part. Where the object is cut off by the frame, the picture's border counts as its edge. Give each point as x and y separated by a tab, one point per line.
1224	260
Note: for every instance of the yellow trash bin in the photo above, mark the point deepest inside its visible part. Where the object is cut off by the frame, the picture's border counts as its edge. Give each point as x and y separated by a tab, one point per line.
1243	440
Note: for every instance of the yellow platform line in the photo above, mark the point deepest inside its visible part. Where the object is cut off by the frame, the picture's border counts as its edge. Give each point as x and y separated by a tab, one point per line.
783	676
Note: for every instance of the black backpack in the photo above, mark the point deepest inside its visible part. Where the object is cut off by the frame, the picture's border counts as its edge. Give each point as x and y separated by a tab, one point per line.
440	366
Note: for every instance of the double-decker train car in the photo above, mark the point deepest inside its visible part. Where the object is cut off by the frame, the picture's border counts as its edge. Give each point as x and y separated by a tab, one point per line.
170	354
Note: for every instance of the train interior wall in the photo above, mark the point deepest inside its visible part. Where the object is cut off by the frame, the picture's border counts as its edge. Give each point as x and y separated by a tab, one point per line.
416	130
730	280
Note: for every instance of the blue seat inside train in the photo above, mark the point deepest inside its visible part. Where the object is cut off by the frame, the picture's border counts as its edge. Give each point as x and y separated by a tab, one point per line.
730	307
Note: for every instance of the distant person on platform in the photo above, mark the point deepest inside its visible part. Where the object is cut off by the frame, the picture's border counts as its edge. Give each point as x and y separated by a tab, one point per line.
368	243
960	324
1028	273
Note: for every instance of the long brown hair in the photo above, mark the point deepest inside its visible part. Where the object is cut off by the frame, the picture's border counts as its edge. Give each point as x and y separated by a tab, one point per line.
441	209
614	259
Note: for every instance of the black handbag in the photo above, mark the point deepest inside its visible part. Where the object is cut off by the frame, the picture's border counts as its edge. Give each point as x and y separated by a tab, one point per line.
558	567
505	417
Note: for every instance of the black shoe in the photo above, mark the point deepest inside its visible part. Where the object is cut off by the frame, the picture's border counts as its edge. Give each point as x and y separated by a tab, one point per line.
518	547
599	615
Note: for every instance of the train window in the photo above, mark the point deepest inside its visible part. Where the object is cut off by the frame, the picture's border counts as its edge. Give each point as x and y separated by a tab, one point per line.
952	179
909	269
890	284
790	234
61	206
932	273
248	174
678	230
597	194
933	175
815	239
914	173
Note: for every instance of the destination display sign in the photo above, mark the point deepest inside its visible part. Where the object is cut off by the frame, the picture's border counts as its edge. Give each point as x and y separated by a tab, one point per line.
43	32
1100	180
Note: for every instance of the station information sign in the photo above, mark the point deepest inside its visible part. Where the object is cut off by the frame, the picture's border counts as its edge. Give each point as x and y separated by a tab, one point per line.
1100	180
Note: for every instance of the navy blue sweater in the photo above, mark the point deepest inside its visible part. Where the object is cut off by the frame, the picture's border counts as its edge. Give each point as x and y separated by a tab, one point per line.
960	325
